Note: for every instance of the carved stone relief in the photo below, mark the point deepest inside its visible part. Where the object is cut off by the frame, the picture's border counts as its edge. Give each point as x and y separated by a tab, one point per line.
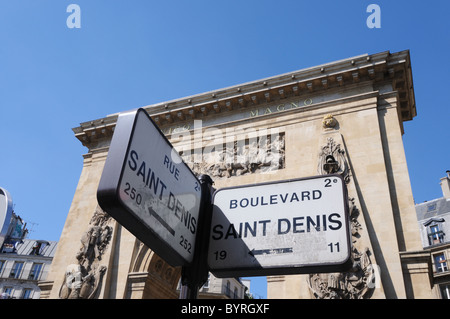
332	160
244	157
83	279
359	281
329	121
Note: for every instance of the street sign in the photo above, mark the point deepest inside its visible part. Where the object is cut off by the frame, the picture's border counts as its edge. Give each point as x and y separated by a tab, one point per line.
288	227
6	208
148	189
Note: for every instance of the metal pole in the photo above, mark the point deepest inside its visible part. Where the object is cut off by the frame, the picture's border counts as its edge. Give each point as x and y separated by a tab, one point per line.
194	276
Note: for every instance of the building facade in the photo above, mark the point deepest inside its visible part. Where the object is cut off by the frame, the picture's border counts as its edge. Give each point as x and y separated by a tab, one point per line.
23	262
344	117
222	288
433	217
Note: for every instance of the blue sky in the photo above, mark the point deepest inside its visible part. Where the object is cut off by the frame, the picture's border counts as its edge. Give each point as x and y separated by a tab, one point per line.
129	54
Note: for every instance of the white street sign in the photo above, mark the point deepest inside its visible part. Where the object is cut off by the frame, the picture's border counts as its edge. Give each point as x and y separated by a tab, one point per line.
147	188
287	227
6	208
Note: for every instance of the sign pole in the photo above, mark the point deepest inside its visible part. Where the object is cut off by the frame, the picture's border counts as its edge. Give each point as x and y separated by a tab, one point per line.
195	275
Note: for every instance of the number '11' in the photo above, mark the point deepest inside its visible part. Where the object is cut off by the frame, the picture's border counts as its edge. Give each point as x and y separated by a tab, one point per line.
331	247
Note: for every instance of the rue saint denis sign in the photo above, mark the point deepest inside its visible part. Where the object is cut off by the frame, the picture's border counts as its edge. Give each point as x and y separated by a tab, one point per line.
148	189
287	227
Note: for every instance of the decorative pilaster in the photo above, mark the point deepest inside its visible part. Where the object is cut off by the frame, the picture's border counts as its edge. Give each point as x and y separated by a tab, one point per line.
361	280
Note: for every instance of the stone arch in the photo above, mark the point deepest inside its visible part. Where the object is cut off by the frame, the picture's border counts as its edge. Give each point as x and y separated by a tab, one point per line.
151	277
142	259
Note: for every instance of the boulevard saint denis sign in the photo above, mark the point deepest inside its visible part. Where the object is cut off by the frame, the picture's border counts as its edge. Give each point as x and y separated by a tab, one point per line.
286	227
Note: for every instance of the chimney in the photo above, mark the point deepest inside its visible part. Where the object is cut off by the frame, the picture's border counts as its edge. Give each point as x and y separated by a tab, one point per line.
445	184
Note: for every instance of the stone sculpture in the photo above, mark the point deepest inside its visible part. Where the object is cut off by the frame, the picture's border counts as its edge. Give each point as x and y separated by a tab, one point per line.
359	281
264	155
83	280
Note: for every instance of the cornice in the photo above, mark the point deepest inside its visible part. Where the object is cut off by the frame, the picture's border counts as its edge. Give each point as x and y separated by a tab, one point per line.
384	67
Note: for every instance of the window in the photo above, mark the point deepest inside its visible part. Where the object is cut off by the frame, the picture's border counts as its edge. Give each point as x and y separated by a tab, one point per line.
7	293
35	272
38	247
235	293
445	291
206	284
16	270
228	289
26	293
2	264
440	263
435	235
